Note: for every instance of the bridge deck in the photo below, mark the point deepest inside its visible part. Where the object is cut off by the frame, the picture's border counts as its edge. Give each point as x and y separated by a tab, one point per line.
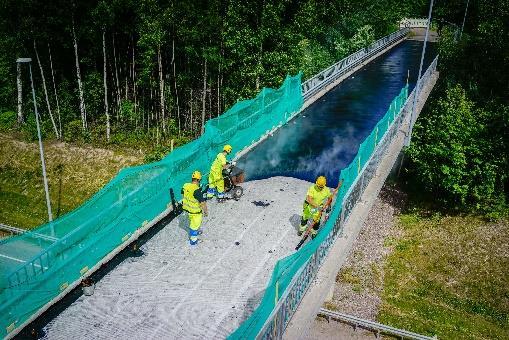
175	291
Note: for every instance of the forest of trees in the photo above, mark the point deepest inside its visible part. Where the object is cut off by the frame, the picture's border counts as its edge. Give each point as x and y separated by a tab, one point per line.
459	152
127	71
140	73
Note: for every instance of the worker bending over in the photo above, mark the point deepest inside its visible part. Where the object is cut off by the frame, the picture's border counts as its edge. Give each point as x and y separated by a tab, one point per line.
316	197
194	203
216	180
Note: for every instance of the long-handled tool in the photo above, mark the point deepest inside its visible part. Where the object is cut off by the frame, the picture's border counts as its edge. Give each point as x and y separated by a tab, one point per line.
312	222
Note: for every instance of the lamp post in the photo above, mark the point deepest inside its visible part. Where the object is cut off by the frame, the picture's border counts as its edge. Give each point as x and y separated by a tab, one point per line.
417	85
41	151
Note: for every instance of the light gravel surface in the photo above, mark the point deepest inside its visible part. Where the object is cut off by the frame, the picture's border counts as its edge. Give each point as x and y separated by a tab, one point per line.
175	291
360	281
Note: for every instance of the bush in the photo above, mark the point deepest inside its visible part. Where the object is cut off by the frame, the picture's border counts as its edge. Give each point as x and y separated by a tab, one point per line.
161	151
452	156
73	131
8	120
30	129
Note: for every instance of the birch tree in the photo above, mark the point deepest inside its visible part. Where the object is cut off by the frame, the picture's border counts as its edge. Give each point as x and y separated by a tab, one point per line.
55	91
46	92
175	82
106	108
78	76
204	95
20	93
161	86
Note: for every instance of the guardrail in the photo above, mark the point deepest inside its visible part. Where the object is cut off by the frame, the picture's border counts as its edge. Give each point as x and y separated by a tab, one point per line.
374	326
276	323
19	231
314	84
413	23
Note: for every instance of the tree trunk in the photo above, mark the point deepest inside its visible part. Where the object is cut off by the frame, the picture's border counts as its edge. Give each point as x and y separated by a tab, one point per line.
259	68
127	71
106	108
20	93
116	76
260	51
204	96
161	86
175	83
221	100
55	90
135	99
78	76
218	96
46	92
210	97
191	109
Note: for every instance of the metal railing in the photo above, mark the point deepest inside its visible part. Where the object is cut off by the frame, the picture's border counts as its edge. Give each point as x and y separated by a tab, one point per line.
19	231
286	306
314	84
373	326
413	23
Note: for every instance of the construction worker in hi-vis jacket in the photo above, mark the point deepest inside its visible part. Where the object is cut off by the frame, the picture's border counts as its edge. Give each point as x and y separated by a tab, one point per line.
316	197
195	205
216	180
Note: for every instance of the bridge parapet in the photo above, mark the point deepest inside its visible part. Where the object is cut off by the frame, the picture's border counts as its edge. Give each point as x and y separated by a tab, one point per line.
413	23
326	77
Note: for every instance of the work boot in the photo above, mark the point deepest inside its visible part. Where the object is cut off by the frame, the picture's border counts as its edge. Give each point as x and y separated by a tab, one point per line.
221	197
211	192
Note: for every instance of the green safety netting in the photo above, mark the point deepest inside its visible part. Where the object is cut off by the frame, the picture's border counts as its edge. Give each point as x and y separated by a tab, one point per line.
286	268
37	266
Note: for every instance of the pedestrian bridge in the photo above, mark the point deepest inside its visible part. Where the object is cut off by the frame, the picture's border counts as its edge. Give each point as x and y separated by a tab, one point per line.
42	267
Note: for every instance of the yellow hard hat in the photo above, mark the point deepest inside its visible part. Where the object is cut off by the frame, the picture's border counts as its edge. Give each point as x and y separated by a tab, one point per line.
196	175
227	148
321	181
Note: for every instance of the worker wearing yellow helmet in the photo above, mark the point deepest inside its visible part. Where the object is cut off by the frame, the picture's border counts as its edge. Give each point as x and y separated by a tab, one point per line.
316	197
216	180
194	204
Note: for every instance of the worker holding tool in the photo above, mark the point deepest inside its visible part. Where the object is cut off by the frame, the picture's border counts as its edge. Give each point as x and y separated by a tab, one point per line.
316	197
216	180
194	204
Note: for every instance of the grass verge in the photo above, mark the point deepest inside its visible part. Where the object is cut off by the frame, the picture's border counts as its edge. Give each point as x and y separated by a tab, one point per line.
448	276
74	175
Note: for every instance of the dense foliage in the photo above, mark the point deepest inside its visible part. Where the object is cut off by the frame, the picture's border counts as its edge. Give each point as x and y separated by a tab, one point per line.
459	150
123	71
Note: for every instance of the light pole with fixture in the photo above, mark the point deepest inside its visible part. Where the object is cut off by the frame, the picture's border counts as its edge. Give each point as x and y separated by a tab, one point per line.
41	151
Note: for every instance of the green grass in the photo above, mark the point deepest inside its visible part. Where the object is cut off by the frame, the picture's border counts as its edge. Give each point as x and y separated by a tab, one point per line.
74	175
448	276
